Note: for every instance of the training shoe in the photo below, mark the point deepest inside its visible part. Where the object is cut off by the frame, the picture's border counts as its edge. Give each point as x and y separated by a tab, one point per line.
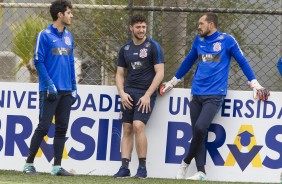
59	171
181	173
29	169
122	173
141	173
198	176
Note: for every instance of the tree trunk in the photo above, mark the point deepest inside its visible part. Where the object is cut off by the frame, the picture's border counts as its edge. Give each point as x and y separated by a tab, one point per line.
32	73
174	37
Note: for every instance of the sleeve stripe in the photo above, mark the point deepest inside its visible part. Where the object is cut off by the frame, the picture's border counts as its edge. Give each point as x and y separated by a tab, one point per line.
160	59
37	45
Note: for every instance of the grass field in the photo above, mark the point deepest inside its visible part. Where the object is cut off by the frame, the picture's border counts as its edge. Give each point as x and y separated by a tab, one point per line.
13	177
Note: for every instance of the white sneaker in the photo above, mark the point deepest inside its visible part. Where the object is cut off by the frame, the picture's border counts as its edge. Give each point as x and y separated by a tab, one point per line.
198	176
181	173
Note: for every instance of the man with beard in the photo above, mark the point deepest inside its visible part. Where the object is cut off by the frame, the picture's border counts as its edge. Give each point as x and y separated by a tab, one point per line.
142	60
212	50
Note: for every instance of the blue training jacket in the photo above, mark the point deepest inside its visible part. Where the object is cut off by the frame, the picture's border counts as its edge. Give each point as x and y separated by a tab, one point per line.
54	59
213	54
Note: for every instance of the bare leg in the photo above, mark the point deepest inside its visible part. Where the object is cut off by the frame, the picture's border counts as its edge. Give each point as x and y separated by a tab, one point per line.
127	141
140	138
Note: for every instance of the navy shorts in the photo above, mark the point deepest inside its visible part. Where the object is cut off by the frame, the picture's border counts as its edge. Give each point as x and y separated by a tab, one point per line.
130	115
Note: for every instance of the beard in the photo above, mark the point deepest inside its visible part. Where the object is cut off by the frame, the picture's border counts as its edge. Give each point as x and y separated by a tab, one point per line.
66	22
204	33
139	37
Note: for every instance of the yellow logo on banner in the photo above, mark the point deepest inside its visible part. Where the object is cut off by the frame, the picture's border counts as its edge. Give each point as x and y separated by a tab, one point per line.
256	161
40	152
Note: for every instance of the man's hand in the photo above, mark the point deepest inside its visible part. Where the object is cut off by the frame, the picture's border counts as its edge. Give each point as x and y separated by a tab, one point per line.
126	100
74	94
259	92
167	86
52	93
144	104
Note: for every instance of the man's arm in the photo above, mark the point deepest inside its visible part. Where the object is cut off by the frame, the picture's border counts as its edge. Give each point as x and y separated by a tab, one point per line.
39	57
259	92
187	63
125	98
159	69
144	101
72	62
237	53
120	79
73	76
182	70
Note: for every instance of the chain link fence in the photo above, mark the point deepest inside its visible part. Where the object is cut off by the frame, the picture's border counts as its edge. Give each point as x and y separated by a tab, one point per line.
100	28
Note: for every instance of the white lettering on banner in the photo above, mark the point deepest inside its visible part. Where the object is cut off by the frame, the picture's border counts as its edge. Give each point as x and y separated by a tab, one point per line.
15	99
102	102
177	105
232	108
245	138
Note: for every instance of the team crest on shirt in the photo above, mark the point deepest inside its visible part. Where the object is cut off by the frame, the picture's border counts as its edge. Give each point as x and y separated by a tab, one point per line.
126	47
67	40
47	31
143	53
220	37
217	46
147	44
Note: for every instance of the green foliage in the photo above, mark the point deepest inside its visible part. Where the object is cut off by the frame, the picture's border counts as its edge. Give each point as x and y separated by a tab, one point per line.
98	35
24	37
1	16
1	13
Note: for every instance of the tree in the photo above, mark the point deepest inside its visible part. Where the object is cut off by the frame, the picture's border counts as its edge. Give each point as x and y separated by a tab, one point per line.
98	36
23	42
1	12
174	32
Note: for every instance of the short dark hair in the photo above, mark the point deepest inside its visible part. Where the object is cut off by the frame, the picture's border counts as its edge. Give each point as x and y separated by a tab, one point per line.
137	18
59	6
212	17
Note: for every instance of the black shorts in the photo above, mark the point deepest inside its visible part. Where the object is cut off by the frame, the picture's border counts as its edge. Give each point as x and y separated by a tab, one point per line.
130	115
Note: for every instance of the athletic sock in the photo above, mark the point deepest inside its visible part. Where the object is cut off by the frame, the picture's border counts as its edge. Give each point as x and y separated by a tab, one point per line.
125	162
142	162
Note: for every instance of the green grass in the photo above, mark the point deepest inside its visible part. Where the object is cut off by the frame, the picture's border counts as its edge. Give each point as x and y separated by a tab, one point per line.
13	177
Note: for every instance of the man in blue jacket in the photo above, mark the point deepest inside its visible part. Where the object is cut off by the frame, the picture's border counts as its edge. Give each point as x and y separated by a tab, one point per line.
54	61
213	51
